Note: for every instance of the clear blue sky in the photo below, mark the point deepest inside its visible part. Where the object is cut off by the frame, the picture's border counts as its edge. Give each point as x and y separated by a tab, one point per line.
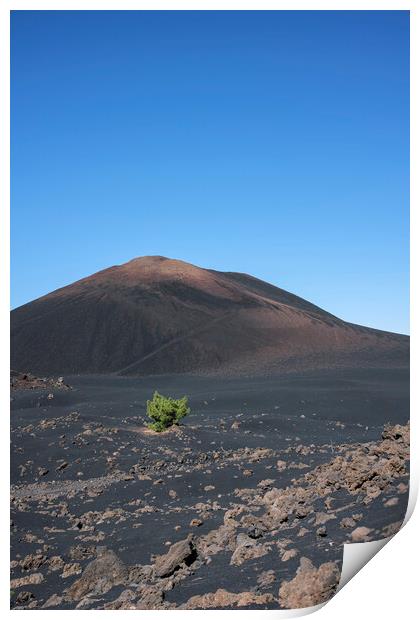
273	143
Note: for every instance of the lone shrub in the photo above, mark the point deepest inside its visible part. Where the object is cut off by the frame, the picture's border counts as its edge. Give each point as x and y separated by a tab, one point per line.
165	412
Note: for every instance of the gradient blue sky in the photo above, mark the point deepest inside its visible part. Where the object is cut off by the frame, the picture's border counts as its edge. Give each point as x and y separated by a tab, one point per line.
273	143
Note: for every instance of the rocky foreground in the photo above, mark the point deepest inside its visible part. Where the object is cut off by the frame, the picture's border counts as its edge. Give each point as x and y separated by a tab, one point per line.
107	516
28	381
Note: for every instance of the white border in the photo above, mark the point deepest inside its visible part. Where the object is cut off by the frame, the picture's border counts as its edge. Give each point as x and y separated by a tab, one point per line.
394	566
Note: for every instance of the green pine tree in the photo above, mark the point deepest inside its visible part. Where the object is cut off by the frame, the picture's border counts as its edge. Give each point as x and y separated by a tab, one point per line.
165	412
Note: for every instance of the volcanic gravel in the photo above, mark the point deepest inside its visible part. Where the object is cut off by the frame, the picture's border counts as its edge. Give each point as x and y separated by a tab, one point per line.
245	506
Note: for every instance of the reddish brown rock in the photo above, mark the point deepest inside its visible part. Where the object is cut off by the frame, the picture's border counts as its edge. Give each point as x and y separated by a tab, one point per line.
99	576
32	579
361	534
311	586
182	552
222	598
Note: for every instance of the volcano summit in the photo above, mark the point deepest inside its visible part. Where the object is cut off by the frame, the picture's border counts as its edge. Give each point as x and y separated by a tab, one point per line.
155	315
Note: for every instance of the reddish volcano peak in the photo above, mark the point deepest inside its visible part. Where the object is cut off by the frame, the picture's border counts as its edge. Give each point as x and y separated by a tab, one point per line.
156	315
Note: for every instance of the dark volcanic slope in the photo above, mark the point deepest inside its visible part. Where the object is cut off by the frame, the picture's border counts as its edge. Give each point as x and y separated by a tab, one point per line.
154	315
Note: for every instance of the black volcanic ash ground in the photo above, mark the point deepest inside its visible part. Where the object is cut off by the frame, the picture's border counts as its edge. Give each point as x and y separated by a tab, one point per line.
257	479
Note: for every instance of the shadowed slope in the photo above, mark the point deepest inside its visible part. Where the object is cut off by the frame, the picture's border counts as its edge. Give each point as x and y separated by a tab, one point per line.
154	315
